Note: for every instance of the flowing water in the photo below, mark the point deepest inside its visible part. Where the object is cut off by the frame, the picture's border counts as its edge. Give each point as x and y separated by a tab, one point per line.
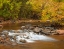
39	44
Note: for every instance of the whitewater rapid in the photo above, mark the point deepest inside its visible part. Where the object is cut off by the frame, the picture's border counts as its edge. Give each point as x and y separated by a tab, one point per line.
29	37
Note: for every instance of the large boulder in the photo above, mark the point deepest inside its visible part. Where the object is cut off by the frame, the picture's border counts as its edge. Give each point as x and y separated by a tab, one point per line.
46	32
60	32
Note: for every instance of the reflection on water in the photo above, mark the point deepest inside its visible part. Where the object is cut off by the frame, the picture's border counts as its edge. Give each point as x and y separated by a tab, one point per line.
37	45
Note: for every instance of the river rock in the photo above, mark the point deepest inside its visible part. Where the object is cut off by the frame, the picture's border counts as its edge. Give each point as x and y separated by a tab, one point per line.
16	31
23	41
55	33
28	26
60	32
40	25
2	39
46	31
31	27
37	29
1	26
22	27
5	33
50	28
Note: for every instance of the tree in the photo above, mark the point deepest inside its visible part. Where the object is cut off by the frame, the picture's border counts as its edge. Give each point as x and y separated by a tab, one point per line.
9	8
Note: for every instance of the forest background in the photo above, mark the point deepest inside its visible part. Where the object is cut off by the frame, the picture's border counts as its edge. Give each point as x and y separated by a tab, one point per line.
44	10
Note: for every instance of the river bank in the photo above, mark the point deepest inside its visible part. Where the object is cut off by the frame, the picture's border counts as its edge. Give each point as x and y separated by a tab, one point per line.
47	23
18	21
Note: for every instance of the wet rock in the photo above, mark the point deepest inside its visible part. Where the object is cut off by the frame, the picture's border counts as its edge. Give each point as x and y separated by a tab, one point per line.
40	26
60	32
37	29
55	33
3	36
11	37
1	26
35	26
23	41
2	39
12	31
8	41
50	28
16	31
28	26
14	43
22	27
5	33
46	31
27	37
14	38
31	27
19	31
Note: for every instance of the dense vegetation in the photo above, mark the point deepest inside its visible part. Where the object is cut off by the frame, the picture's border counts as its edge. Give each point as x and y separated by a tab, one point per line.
52	10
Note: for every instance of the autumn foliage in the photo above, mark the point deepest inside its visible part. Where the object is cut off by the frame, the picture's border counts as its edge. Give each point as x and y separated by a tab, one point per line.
52	10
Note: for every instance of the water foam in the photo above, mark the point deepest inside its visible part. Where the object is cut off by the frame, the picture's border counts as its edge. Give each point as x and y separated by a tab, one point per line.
30	37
